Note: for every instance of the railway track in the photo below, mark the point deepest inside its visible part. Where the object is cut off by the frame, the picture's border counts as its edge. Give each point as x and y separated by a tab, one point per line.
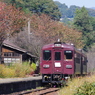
44	91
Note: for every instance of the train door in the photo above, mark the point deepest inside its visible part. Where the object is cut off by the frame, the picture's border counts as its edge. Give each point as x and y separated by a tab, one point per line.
57	63
68	62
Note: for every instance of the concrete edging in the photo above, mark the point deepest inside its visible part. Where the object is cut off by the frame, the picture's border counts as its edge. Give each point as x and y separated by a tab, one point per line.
20	85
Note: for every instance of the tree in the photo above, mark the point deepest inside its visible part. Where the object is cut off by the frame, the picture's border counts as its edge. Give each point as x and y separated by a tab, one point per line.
38	6
82	22
71	11
48	31
62	8
11	21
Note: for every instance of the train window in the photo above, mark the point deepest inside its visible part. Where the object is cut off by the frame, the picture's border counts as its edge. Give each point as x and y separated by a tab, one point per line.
68	55
57	55
47	54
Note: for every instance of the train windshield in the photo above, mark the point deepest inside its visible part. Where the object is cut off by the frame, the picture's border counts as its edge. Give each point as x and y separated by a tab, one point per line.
68	55
57	55
47	54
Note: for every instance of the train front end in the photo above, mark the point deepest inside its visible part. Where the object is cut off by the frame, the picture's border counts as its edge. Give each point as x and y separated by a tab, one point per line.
56	63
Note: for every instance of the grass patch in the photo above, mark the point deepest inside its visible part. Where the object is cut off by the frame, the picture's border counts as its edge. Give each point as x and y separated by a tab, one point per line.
79	85
86	89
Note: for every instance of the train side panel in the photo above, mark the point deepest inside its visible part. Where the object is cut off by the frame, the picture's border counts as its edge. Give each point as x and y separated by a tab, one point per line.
78	63
84	62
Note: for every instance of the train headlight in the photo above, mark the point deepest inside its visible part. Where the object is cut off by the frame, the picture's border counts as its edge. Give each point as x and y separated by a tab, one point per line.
46	66
69	66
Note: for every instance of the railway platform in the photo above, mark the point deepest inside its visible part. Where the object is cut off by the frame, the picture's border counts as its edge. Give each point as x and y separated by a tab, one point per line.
10	85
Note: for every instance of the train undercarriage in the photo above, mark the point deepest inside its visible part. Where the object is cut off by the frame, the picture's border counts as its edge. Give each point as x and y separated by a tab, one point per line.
55	79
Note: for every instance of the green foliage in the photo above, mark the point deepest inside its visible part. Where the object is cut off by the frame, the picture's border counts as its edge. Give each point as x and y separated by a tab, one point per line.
22	69
38	6
63	8
80	86
33	65
83	22
45	6
86	89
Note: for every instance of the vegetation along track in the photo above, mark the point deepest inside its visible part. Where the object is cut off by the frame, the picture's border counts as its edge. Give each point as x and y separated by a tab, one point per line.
44	91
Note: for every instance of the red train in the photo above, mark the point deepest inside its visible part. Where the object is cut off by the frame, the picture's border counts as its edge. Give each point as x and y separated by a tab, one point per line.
60	61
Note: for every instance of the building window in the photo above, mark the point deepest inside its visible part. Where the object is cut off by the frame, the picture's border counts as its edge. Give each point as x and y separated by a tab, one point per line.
11	54
15	54
12	60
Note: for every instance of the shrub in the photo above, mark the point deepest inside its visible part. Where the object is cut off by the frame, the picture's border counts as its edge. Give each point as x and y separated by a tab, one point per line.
86	89
7	73
16	70
1	68
33	65
22	69
77	85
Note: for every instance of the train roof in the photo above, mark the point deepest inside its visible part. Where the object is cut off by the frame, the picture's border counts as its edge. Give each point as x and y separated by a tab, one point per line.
63	45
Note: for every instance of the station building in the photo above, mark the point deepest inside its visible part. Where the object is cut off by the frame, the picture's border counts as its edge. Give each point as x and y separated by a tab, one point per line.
12	53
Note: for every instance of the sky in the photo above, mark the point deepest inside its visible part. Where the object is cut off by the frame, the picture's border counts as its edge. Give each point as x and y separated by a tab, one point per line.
80	3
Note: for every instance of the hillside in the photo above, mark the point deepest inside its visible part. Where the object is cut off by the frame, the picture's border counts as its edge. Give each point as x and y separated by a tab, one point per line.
68	12
93	8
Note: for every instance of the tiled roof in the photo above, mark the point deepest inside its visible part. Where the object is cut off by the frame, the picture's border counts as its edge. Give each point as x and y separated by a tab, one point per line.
13	46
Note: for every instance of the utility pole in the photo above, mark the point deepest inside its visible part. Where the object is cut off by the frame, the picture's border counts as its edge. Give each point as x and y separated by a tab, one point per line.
29	30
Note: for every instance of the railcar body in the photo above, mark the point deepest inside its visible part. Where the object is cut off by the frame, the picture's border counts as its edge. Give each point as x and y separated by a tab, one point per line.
59	61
